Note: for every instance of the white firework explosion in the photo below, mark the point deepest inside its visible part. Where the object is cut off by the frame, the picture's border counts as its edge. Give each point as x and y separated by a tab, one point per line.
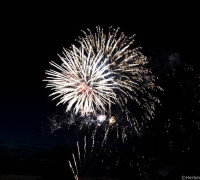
84	82
101	72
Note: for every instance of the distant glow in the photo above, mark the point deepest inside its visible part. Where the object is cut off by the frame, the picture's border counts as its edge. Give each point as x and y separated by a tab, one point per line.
112	120
101	118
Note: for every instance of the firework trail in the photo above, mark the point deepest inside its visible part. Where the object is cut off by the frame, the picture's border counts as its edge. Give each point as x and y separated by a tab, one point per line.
72	169
96	149
84	147
78	152
90	147
89	160
83	161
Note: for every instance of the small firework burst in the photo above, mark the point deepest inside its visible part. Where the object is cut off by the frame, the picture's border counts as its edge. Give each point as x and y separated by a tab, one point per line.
103	73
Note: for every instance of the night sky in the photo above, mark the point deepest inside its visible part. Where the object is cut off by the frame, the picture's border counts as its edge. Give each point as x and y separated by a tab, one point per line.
32	36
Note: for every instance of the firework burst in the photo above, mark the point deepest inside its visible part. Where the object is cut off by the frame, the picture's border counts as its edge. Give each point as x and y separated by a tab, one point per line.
103	73
84	83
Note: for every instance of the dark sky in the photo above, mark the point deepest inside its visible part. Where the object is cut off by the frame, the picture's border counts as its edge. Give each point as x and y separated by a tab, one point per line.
33	34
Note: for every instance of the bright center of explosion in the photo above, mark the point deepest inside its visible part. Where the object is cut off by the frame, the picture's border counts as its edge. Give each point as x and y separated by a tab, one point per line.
101	118
84	89
112	120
